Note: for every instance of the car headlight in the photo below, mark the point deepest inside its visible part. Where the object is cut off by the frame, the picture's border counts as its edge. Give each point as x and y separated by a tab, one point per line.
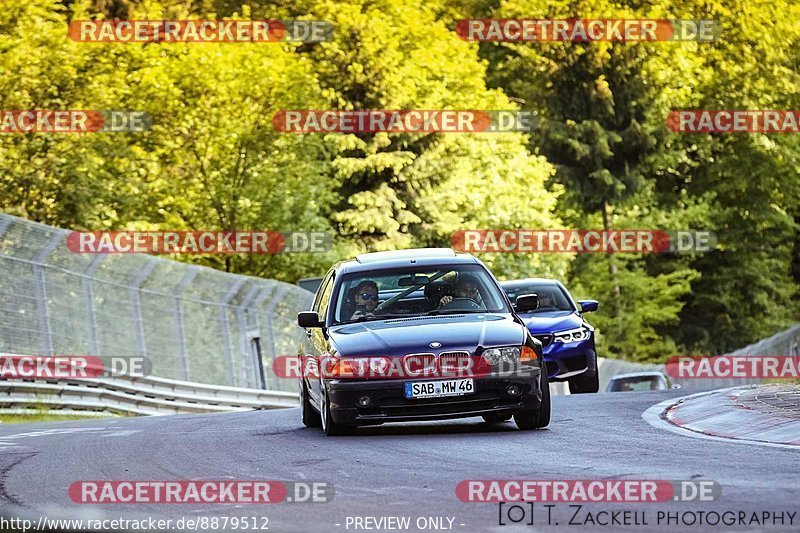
573	335
495	356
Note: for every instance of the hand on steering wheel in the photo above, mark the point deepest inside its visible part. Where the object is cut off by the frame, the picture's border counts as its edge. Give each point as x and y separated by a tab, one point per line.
460	303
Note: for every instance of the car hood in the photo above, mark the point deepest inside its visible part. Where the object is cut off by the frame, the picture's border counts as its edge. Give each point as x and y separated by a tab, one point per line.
403	336
551	322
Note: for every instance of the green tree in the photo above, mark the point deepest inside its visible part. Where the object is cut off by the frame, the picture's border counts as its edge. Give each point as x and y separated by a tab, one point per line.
601	109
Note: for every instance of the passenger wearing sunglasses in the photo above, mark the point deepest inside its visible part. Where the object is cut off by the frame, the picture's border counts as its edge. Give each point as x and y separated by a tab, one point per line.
366	298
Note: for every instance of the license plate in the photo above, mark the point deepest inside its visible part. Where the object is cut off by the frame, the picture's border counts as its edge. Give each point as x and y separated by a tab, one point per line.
438	389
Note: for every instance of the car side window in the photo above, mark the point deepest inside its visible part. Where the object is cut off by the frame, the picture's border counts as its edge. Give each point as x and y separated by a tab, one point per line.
321	305
320	291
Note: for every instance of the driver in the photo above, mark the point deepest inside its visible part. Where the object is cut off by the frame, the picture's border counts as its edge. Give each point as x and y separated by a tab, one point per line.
366	298
546	300
465	288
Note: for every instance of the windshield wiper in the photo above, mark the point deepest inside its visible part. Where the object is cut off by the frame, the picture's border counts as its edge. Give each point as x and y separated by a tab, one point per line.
455	312
366	318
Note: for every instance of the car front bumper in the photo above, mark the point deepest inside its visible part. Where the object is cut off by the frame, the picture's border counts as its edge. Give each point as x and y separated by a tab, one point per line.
567	360
389	403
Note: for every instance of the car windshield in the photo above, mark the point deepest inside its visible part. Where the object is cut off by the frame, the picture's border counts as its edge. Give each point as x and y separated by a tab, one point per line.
418	291
639	383
551	297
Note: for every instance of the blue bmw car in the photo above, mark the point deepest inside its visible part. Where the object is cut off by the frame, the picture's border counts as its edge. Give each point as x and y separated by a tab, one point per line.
567	339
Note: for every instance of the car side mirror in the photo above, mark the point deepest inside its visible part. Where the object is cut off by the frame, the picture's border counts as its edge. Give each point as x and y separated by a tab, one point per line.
588	305
309	319
526	302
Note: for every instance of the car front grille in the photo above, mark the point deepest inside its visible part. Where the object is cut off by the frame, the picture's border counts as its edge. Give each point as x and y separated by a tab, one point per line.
442	406
445	362
454	361
419	362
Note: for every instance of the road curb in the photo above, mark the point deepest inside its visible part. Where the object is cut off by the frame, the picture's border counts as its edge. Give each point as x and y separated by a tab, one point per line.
717	415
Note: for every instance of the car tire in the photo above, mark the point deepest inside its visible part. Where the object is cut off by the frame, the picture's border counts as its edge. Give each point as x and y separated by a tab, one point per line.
331	428
540	417
311	418
586	383
495	418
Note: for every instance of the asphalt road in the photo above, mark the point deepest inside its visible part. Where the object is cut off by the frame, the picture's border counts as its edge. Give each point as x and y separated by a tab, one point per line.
399	470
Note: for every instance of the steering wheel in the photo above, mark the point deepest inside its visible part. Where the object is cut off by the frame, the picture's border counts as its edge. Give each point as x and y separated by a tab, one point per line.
461	303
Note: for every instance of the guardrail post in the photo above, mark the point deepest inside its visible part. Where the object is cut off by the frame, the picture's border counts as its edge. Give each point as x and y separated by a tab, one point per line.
5	221
187	279
136	301
248	373
258	360
254	340
40	282
277	296
88	293
226	327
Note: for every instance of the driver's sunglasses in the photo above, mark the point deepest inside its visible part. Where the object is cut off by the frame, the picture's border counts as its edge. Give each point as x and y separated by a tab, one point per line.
470	290
368	296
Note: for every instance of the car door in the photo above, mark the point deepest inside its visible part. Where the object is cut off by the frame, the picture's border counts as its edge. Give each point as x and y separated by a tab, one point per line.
318	340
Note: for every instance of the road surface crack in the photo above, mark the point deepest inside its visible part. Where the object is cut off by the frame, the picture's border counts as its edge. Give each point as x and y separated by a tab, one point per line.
5	469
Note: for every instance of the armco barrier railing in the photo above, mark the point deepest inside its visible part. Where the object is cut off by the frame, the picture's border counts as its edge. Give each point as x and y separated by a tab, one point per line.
128	395
155	396
786	342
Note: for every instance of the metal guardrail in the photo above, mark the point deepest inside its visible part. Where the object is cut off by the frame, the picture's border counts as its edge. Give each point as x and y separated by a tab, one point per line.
786	343
158	396
128	395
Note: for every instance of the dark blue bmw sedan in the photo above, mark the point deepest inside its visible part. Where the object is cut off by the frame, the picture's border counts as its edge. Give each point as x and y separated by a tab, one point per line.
418	335
567	339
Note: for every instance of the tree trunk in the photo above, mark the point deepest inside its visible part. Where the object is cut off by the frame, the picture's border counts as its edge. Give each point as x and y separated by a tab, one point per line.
612	265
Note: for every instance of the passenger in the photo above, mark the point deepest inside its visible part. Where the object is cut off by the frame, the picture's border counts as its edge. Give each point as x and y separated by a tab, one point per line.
366	299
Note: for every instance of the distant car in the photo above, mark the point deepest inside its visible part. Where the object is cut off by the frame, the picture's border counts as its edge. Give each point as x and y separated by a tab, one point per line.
414	308
639	381
567	339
